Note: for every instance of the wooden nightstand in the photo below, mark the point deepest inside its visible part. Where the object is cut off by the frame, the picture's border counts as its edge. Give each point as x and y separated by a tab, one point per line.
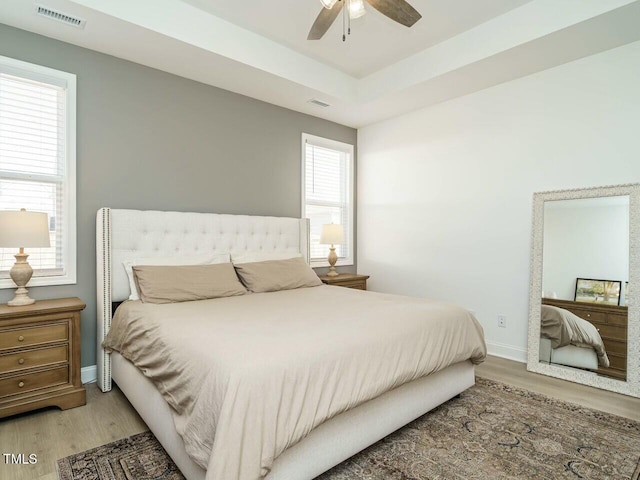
40	356
349	280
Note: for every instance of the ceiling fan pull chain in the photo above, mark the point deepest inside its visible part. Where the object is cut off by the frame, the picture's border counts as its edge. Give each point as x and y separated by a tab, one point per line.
344	19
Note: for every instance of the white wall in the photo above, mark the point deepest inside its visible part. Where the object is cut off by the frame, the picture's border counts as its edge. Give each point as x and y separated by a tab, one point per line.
586	238
445	193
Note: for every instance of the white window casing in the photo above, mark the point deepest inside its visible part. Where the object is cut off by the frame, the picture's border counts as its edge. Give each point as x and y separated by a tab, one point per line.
38	164
328	195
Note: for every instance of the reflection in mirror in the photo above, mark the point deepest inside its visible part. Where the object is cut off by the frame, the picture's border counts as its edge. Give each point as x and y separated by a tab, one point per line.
584	318
585	274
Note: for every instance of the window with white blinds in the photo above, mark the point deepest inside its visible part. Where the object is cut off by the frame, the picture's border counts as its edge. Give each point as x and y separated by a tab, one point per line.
327	194
37	164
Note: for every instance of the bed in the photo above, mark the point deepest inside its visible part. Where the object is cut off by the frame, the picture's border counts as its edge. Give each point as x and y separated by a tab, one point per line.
580	357
568	340
123	235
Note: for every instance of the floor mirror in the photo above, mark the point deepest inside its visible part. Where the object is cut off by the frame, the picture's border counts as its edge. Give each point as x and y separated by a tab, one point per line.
584	307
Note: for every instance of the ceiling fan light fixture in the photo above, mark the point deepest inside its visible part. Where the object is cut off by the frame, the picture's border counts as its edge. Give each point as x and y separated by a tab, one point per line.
399	11
356	9
328	3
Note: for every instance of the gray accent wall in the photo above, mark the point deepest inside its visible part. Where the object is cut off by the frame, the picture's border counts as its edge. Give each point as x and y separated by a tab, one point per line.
147	139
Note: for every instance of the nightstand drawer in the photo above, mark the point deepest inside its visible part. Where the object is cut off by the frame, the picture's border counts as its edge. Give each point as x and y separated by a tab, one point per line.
33	358
24	383
24	337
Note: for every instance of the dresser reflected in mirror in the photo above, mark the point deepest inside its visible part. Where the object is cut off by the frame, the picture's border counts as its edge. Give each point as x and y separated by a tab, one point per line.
585	263
582	309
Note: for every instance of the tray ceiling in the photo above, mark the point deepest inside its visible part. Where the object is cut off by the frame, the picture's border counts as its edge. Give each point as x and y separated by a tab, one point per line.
375	41
259	49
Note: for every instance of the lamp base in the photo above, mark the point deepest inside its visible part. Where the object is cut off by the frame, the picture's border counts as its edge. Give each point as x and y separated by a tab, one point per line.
21	273
333	258
21	298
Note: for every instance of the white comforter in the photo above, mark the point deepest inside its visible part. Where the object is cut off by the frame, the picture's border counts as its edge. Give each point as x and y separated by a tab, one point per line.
248	377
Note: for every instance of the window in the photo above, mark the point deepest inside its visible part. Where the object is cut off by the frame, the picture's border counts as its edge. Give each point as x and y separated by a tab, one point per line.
37	164
327	194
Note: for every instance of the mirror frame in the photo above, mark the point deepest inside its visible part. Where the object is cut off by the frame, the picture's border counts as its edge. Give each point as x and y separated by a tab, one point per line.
632	385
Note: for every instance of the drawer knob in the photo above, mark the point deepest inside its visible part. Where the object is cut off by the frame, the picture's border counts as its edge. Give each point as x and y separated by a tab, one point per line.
21	384
588	315
21	338
21	361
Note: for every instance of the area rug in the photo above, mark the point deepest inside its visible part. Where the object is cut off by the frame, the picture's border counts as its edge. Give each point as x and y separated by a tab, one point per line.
492	431
139	457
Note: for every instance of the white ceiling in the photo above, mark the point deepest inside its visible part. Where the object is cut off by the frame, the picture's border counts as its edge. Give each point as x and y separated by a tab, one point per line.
383	70
376	41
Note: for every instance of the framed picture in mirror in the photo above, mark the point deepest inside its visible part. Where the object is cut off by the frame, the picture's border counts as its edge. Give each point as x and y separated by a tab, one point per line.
589	290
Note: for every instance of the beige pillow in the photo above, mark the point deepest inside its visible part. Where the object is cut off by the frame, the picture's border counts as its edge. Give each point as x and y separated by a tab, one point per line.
274	275
184	283
193	260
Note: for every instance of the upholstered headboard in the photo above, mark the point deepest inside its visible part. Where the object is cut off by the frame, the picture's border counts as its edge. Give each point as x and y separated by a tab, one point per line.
127	234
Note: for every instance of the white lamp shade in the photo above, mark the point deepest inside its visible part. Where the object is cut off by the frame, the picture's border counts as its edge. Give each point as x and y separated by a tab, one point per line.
20	229
332	234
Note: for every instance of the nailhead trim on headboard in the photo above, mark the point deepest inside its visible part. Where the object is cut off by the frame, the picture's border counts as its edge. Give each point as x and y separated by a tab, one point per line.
104	307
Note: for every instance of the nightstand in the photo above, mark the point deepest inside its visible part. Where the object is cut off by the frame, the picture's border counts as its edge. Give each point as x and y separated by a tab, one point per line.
349	280
40	356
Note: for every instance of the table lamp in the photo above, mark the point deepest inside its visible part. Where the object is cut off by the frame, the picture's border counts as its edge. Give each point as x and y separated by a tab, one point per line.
20	229
332	234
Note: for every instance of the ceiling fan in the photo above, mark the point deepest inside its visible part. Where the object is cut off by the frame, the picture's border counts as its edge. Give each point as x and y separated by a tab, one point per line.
397	10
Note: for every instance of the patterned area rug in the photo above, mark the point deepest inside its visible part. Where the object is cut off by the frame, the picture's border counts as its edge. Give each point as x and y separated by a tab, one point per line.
140	457
493	431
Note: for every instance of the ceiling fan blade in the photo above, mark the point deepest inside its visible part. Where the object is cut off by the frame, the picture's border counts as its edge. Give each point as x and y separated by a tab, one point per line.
397	10
324	21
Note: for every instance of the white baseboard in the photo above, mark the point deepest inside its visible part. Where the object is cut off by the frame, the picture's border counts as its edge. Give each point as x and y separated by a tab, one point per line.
507	351
89	374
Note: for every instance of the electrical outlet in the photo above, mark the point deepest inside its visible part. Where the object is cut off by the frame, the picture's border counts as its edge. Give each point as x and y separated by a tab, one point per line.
502	321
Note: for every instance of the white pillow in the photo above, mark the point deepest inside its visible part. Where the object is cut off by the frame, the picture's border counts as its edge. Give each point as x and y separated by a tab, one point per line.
169	261
251	257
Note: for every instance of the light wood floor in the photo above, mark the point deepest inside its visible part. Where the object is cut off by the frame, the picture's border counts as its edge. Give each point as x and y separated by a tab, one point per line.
53	434
514	373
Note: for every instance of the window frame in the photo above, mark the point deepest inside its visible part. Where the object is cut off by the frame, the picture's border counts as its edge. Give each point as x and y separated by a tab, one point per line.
348	149
69	248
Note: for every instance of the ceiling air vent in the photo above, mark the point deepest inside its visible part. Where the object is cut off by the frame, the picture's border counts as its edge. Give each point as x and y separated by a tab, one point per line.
60	16
319	103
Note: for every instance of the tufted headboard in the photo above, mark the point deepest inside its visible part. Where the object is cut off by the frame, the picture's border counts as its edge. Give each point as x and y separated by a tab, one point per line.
127	234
